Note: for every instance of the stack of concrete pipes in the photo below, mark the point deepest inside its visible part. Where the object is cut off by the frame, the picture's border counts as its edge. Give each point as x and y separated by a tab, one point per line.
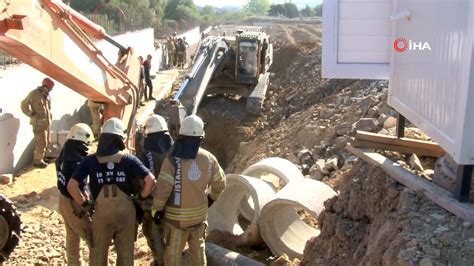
272	212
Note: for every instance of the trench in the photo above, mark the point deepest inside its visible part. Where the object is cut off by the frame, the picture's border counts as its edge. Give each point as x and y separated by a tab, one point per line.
224	120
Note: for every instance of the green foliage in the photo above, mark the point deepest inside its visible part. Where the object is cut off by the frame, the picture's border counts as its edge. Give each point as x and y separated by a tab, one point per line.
291	10
164	15
187	16
288	9
258	7
85	5
277	10
307	12
318	10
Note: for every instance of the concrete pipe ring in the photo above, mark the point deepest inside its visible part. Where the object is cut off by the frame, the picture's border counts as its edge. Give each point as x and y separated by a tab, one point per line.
280	225
275	171
224	213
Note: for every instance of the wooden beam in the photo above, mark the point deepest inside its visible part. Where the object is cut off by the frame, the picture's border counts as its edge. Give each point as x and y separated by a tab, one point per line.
390	147
433	148
441	197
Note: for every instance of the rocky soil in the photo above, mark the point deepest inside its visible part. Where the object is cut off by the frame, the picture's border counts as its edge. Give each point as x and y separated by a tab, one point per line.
376	221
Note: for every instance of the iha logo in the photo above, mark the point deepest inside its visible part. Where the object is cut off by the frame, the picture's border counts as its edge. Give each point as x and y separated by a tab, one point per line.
401	45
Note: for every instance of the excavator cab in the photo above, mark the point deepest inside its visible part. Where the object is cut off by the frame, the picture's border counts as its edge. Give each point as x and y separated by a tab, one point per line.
253	54
247	66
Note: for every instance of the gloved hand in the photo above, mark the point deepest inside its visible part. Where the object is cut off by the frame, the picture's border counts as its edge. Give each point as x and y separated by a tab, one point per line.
157	216
88	207
209	201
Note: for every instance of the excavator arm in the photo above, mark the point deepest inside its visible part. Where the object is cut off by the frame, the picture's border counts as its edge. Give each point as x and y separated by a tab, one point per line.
58	41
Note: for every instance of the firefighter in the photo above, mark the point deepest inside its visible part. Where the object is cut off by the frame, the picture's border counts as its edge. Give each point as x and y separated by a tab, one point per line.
157	144
190	181
96	114
37	106
74	150
180	52
171	47
110	208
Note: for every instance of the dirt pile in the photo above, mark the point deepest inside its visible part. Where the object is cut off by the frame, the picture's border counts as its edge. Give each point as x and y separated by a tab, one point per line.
375	221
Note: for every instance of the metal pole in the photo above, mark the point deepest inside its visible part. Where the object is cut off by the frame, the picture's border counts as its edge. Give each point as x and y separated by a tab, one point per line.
400	126
114	43
463	182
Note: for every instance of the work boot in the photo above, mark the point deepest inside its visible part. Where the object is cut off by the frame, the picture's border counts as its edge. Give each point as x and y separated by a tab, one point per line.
152	98
40	164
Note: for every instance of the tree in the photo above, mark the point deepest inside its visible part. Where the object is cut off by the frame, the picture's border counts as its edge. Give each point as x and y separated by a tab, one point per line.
307	12
85	5
208	14
291	10
258	7
318	10
186	15
172	6
277	10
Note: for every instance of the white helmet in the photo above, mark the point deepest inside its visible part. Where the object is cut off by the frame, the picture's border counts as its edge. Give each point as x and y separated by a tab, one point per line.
192	126
80	132
155	123
114	126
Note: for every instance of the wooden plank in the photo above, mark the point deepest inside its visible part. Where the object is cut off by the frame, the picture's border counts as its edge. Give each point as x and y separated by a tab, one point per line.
406	142
393	147
441	197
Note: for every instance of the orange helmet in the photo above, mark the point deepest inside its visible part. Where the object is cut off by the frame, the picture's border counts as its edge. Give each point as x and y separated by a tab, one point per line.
48	83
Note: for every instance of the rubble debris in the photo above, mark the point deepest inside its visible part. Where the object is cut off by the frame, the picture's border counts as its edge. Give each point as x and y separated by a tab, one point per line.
415	163
375	220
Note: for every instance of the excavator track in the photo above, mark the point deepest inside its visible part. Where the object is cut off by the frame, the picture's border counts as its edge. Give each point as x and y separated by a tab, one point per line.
10	228
257	97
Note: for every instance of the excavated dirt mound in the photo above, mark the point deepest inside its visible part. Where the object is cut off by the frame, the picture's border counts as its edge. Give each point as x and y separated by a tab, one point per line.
375	220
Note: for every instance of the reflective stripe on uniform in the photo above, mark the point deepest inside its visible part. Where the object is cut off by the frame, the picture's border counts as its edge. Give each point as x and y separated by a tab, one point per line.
167	177
181	214
160	203
177	239
218	176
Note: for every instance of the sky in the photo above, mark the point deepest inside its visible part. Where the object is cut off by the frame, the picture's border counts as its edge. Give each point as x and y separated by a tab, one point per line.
220	3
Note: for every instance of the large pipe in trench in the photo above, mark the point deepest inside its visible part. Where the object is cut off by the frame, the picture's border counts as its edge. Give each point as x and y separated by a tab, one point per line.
274	171
224	213
280	225
217	255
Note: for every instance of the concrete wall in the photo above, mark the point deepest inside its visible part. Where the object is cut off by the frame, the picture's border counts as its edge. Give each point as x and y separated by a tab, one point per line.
68	107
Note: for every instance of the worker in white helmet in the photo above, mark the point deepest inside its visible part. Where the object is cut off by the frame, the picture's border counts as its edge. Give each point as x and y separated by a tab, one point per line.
109	175
190	180
74	150
156	146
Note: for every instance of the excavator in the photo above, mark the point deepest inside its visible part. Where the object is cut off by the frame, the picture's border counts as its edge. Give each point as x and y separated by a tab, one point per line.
226	65
58	41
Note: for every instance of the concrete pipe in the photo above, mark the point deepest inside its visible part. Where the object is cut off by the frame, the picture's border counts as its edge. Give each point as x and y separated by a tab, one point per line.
273	170
281	227
224	214
217	255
